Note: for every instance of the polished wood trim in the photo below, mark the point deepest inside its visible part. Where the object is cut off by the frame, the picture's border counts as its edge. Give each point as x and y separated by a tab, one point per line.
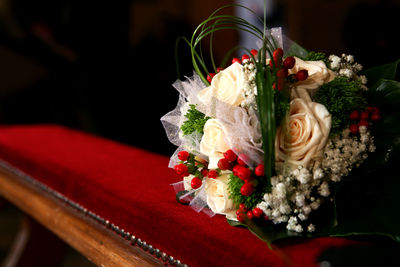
97	243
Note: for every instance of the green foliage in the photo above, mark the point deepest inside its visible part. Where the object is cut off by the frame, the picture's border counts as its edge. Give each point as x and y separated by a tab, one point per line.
195	121
267	110
315	56
251	201
387	71
341	96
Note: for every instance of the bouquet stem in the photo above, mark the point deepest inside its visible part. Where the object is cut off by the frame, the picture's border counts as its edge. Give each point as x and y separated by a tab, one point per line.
266	105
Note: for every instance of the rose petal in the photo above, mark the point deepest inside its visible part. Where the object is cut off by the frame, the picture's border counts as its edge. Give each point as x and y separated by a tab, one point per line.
218	196
227	86
304	134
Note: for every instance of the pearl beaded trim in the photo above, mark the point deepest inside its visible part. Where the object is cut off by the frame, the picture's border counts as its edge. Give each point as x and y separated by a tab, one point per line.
134	241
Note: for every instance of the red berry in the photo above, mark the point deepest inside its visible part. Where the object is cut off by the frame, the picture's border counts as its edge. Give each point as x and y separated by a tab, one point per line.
277	54
277	64
212	174
248	180
236	169
259	171
254	52
372	109
230	155
181	168
238	212
183	155
289	62
243	173
250	215
375	116
210	76
196	182
241	217
246	189
242	207
353	128
282	73
302	75
258	212
271	64
355	115
224	164
364	115
219	69
204	172
245	57
266	218
242	159
363	123
235	59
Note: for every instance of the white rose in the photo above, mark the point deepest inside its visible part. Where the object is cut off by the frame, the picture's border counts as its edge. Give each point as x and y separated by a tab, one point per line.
318	74
218	196
304	134
227	86
213	143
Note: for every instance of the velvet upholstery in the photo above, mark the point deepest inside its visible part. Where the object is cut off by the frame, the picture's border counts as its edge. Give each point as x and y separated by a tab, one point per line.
131	188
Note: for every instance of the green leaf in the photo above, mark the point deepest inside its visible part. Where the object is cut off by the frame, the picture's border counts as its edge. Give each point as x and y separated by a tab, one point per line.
235	223
266	231
179	194
368	206
266	107
195	121
385	91
269	232
386	71
368	199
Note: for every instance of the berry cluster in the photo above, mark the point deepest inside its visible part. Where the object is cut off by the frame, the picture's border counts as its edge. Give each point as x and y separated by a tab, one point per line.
370	114
239	168
194	165
282	66
282	69
244	213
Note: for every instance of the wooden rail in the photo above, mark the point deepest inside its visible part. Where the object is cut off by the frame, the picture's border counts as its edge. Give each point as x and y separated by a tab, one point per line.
94	241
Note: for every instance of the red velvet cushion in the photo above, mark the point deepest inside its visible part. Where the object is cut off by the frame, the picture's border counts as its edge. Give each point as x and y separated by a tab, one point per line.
131	188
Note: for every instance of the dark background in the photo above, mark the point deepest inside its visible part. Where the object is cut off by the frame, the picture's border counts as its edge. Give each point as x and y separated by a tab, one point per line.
106	67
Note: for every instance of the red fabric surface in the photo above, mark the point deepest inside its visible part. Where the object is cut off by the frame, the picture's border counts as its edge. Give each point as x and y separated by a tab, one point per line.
131	188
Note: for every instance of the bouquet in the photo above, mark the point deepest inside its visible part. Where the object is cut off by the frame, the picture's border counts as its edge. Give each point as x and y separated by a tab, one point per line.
285	141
